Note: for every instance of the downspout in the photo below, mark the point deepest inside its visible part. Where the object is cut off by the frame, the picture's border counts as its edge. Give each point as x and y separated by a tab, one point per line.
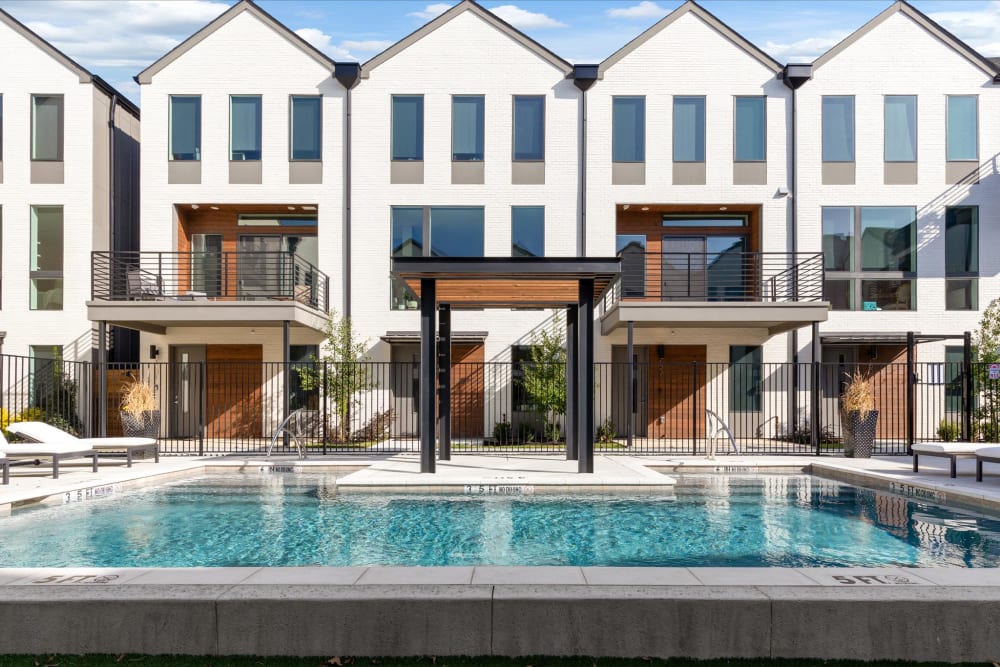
348	74
583	77
111	172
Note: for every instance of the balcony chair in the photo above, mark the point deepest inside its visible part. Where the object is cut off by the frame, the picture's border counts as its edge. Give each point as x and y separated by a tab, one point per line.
42	432
26	453
142	286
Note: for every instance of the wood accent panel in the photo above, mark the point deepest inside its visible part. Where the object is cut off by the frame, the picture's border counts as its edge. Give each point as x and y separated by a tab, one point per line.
507	293
117	379
888	374
234	391
670	399
467	390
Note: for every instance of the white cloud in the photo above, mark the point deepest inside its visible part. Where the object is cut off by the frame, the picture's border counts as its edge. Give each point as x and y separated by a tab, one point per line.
431	11
804	50
324	43
525	20
980	29
644	10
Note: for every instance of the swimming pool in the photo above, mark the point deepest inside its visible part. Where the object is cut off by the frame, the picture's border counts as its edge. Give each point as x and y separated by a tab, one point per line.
299	519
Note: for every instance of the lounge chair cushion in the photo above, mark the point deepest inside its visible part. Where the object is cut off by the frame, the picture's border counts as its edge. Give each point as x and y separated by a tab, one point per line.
42	450
988	453
42	432
947	448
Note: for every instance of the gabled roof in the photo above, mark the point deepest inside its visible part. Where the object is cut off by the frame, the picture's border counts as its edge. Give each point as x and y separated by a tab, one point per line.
921	19
82	74
146	75
691	7
484	14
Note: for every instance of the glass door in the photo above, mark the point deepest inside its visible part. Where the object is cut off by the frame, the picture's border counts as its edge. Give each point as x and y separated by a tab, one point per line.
206	264
260	267
683	271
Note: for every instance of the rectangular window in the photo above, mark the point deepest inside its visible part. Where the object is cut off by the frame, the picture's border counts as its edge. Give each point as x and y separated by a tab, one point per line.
838	128
47	383
244	127
529	128
954	359
527	231
961	246
632	250
838	238
840	294
306	128
750	129
47	128
185	127
468	127
689	129
887	294
744	378
900	128
888	238
963	127
46	258
407	127
628	125
407	241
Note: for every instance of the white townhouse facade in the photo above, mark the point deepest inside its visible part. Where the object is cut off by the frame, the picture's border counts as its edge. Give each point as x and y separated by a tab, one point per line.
755	205
69	151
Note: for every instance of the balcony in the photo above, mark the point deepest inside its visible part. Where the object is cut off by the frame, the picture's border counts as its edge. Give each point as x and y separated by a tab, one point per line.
150	291
773	291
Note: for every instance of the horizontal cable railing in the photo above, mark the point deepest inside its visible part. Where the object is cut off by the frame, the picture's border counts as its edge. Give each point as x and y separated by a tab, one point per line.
227	276
726	276
652	406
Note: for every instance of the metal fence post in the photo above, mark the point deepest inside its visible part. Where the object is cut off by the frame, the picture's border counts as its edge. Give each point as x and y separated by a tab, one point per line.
967	387
814	416
694	408
911	379
203	413
322	399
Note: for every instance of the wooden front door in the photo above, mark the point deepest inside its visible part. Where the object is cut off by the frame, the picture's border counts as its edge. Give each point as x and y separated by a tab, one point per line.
676	381
234	401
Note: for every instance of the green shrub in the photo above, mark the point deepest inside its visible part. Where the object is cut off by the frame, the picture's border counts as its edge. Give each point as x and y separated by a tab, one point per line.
606	432
502	431
948	431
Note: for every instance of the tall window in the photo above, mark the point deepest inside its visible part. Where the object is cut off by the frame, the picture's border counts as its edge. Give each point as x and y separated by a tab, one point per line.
870	257
838	128
961	247
954	360
185	127
244	127
306	128
433	231
46	258
900	128
407	127
963	127
527	231
628	129
47	128
750	129
529	127
689	129
468	127
744	378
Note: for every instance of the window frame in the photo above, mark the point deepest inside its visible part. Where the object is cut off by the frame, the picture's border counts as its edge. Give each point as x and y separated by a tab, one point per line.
947	125
513	128
260	127
479	96
170	129
854	129
45	274
916	129
971	276
60	134
736	99
291	128
392	127
754	382
704	129
614	98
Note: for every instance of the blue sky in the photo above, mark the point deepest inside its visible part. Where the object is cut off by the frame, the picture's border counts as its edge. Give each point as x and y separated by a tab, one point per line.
118	38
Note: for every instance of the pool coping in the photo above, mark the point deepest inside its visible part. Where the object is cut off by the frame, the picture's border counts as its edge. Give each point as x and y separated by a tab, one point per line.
827	613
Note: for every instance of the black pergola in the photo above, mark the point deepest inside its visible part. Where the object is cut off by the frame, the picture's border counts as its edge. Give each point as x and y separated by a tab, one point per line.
444	283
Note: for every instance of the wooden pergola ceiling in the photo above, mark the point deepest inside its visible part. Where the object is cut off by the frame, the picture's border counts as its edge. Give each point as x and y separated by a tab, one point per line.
507	282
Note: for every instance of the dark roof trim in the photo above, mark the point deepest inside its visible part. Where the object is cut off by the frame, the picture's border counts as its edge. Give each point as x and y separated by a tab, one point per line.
146	75
863	338
713	21
414	336
481	12
504	268
928	24
84	75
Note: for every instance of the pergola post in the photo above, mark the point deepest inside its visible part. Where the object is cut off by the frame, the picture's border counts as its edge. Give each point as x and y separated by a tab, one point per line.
102	379
630	351
572	381
428	303
585	387
444	380
286	374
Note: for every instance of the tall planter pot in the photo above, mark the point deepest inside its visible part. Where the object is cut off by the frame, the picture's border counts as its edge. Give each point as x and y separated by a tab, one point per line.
860	435
145	424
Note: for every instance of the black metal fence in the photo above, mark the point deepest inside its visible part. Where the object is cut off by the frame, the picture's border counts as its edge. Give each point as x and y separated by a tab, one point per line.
208	407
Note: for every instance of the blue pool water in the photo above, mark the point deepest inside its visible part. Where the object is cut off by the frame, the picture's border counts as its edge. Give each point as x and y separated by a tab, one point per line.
711	520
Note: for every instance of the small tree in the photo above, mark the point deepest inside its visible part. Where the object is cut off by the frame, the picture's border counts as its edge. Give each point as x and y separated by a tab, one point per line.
341	371
545	377
985	342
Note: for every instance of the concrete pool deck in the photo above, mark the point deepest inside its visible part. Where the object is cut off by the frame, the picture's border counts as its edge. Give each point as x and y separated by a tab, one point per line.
947	614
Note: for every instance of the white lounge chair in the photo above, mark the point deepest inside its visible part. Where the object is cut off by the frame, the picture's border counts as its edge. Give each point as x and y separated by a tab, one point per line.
989	454
716	429
948	450
56	452
4	467
42	432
